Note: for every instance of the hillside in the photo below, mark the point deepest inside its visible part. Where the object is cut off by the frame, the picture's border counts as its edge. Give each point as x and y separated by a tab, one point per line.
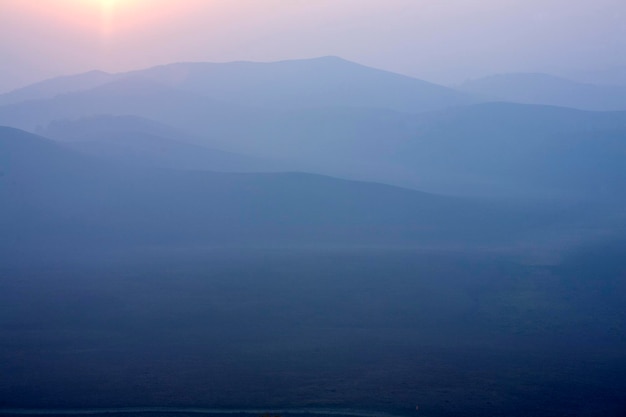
138	141
56	86
175	93
544	89
58	197
307	83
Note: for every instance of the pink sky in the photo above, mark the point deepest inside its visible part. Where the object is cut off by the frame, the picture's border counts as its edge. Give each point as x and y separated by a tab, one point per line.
441	41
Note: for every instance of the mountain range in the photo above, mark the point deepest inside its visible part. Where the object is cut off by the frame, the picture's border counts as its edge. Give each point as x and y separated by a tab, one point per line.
55	196
545	89
333	117
319	82
138	141
250	152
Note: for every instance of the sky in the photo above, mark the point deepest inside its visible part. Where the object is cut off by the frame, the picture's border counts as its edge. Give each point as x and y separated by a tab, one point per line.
444	41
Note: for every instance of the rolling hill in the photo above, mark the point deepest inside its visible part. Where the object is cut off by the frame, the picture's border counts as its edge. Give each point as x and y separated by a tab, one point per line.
307	83
189	93
55	197
360	124
544	89
57	86
139	141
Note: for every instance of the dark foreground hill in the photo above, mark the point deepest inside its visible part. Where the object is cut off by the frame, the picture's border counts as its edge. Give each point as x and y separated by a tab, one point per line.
53	196
337	316
269	329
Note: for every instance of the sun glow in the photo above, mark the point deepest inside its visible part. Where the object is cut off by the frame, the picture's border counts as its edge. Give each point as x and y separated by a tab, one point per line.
95	16
107	5
107	34
107	10
116	17
109	19
112	15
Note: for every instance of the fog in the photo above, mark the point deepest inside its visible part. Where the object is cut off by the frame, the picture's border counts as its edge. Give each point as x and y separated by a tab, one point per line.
309	209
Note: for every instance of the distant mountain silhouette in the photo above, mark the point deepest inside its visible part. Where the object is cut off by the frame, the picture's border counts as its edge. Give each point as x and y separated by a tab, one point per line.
237	105
102	124
204	88
139	141
544	89
135	96
129	96
609	76
54	196
515	149
57	86
487	149
332	117
319	82
494	149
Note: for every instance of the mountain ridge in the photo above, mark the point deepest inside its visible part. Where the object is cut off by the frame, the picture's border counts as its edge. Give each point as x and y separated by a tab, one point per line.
53	194
325	75
547	89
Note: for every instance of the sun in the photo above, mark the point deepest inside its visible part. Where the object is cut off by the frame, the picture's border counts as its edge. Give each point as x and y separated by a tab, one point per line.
107	11
103	3
100	5
106	6
110	4
110	21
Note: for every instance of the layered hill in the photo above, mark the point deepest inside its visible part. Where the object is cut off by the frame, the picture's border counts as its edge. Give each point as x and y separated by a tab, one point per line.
319	82
487	149
176	93
544	89
56	86
52	196
137	141
521	148
332	117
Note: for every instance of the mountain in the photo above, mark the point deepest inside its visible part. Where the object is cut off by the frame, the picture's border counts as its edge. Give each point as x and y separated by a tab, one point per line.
544	89
254	105
198	93
134	96
57	86
319	82
608	76
279	112
495	149
55	197
102	124
516	149
139	141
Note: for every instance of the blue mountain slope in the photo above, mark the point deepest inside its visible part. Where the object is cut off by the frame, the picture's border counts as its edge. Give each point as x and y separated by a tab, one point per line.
319	82
546	89
139	141
57	86
53	196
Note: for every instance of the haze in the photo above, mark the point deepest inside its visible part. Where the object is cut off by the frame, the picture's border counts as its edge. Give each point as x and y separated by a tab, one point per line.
313	208
445	42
